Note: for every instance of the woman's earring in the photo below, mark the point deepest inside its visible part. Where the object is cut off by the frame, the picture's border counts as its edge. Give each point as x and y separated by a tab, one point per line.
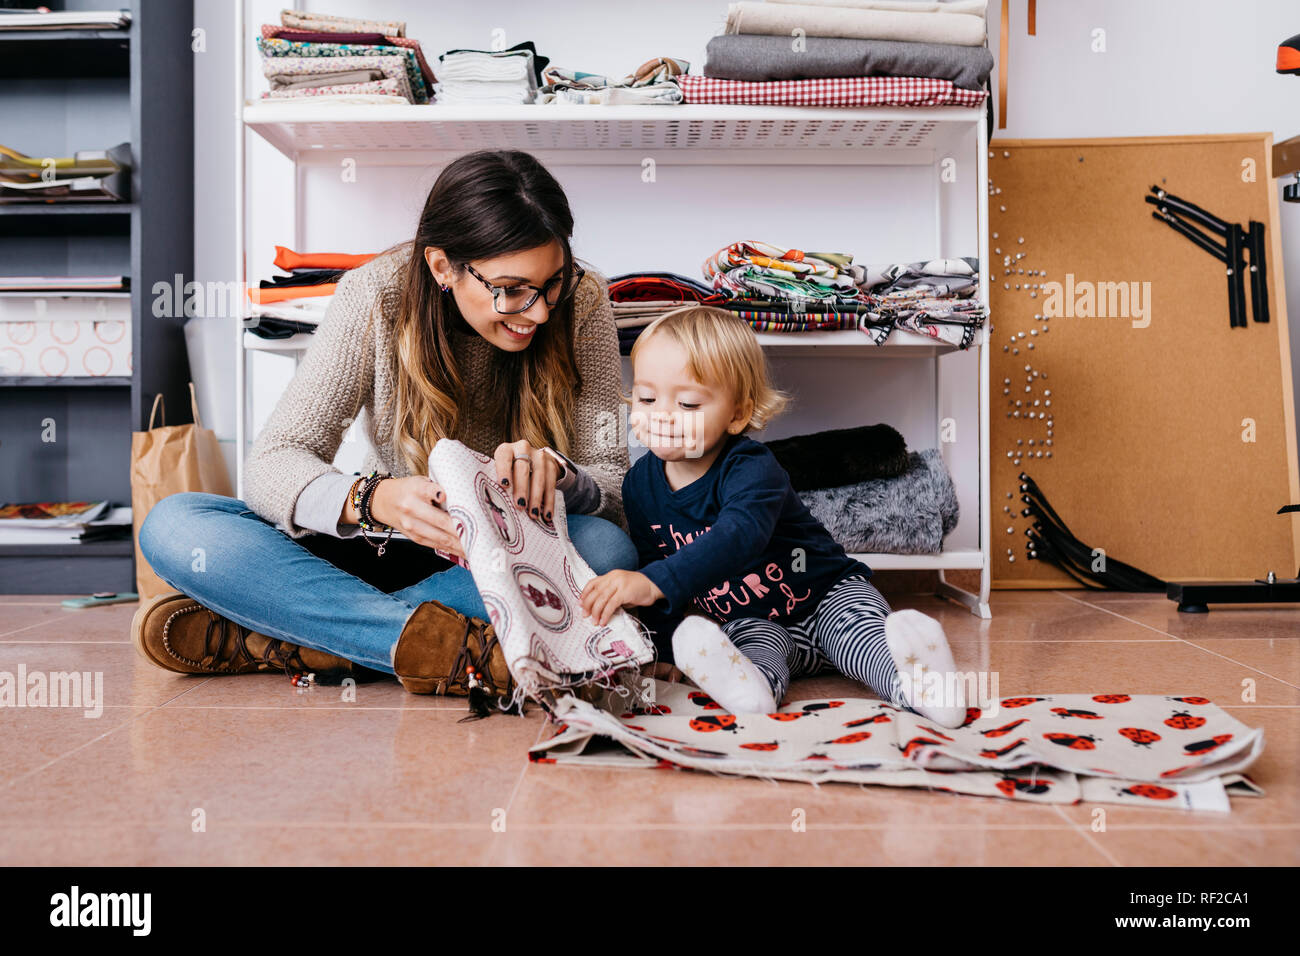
446	288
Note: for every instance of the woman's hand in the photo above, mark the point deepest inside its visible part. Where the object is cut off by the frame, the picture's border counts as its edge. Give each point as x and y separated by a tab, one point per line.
607	593
416	506
529	474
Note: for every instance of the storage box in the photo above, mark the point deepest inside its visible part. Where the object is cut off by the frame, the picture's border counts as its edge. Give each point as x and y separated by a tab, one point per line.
65	336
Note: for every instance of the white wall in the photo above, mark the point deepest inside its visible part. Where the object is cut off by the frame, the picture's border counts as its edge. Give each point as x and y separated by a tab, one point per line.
1191	66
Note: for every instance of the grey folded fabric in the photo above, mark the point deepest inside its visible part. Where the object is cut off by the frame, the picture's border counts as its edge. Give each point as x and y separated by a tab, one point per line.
743	56
297	81
909	514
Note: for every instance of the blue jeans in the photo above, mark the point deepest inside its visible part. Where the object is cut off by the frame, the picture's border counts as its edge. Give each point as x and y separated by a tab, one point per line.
218	552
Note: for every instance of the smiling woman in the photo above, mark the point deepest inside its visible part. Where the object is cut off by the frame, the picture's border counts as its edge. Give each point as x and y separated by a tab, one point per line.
483	328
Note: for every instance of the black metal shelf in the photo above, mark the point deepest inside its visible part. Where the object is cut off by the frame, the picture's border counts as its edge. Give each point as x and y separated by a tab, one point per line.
28	54
65	549
66	219
147	70
67	209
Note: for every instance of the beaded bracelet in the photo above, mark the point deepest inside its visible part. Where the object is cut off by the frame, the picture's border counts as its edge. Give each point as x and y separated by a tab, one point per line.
362	498
365	496
352	492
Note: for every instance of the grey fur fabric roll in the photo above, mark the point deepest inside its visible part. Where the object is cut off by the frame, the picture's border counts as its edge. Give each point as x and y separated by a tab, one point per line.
909	514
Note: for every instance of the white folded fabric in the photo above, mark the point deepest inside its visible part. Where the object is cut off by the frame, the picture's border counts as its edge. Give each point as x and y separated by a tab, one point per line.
476	76
482	92
473	65
656	94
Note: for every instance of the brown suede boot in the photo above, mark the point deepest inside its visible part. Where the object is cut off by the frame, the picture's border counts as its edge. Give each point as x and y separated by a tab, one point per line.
179	634
436	646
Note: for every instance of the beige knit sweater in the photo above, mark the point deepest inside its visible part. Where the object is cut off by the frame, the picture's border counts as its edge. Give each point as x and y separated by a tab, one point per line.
345	371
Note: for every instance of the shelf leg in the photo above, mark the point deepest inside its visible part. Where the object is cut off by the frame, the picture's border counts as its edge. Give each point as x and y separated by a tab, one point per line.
977	603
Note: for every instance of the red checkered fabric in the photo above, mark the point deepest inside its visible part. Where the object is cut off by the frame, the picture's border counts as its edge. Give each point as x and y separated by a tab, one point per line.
845	91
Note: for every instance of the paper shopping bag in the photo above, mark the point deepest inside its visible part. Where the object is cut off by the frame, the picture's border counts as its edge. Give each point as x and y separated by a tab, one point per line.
166	460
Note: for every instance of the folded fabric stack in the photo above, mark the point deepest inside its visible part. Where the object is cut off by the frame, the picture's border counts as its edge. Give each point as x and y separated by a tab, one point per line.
638	298
935	298
847	53
841	456
345	59
474	77
872	495
652	83
785	290
907	514
42	18
99	175
288	304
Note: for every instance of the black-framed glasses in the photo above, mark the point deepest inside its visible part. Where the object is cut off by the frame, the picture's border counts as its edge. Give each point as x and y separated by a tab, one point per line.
513	299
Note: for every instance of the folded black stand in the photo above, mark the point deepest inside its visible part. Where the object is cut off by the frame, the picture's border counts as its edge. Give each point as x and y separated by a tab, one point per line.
1051	540
1237	242
1197	598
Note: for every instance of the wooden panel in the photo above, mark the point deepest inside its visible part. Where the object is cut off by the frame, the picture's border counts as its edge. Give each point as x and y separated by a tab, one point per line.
1149	409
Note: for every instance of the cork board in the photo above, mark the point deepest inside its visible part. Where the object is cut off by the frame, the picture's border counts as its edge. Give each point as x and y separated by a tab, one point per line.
1172	433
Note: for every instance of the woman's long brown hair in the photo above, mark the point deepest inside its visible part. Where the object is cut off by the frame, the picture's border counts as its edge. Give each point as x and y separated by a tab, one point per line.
484	204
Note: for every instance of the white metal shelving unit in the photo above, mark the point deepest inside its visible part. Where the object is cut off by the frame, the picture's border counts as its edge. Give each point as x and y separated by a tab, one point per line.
312	133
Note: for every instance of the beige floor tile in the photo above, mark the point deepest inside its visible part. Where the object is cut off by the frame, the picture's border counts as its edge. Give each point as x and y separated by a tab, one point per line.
248	766
1276	658
1007	596
1175	668
1223	622
390	778
778	845
21	623
31	738
128	679
555	795
1034	616
277	843
1211	846
273	691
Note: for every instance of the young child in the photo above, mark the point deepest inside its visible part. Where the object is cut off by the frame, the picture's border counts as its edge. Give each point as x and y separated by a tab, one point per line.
720	530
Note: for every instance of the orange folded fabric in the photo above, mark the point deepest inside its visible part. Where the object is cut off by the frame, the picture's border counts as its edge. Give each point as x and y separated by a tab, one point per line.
287	259
267	296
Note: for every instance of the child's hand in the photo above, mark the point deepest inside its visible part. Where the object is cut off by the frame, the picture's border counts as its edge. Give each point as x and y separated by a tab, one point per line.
606	594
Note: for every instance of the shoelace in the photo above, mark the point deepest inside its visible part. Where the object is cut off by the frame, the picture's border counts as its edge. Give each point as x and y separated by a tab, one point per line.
274	655
465	659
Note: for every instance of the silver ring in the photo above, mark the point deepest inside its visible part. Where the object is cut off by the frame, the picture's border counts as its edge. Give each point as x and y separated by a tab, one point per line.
524	458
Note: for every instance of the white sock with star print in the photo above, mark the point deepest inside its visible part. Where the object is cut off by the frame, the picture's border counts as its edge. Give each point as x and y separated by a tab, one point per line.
925	667
703	652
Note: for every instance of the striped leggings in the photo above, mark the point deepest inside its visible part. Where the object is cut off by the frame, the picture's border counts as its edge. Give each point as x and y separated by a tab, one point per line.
846	631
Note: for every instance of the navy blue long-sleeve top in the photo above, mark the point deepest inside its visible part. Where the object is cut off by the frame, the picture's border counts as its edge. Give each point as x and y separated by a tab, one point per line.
736	542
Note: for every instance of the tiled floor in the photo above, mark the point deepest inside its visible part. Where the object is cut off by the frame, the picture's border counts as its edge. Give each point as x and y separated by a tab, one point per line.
249	770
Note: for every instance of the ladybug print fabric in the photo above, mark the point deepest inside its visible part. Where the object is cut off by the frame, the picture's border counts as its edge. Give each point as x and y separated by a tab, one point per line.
1137	750
530	578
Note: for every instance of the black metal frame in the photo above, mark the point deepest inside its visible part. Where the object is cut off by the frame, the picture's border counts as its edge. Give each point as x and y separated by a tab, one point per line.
1196	598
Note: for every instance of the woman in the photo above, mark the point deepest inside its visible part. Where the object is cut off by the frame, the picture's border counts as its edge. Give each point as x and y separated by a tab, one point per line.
483	329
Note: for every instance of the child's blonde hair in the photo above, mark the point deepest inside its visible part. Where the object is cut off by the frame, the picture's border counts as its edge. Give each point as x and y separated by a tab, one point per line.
722	351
